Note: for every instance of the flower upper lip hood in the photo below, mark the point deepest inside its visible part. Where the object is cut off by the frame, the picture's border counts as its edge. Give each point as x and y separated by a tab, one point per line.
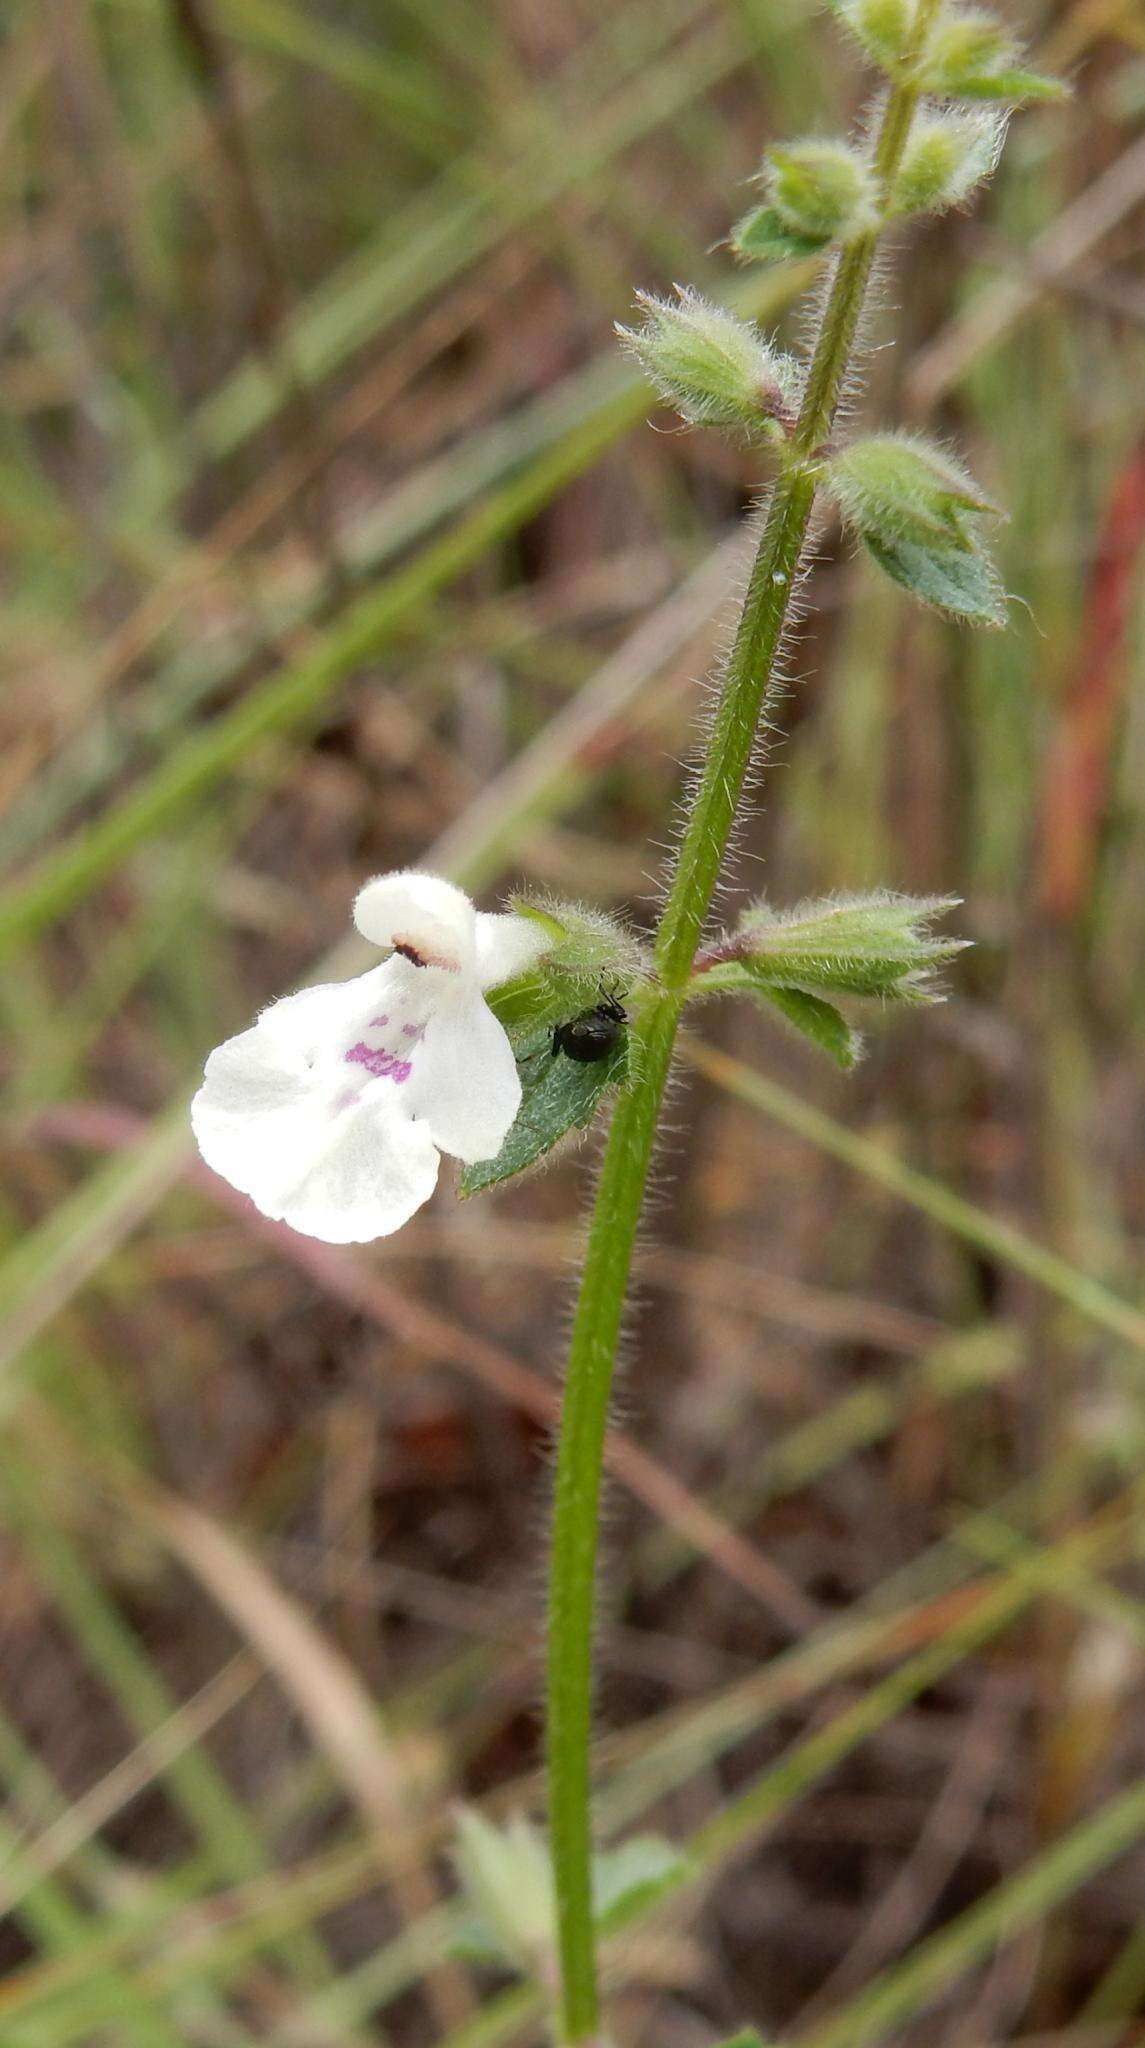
332	1111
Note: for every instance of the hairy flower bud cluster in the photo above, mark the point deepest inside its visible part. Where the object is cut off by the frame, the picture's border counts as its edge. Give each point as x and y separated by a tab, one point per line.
903	486
818	193
965	54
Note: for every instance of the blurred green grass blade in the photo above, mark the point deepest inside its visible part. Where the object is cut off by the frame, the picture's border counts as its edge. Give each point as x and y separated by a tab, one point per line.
47	1267
397	1966
965	1363
594	408
864	1637
987	1233
221	1823
290	699
1119	1994
157	937
415	100
988	1537
74	1939
60	1927
903	1993
184	1937
704	1734
156	716
473	206
768	1796
805	1766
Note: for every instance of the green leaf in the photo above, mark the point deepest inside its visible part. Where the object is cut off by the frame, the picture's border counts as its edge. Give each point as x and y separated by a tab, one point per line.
559	1095
971	55
631	1877
1016	88
747	2037
508	1883
956	580
821	1022
761	237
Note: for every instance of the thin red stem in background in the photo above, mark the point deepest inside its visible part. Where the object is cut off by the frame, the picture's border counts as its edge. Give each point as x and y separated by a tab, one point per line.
1076	782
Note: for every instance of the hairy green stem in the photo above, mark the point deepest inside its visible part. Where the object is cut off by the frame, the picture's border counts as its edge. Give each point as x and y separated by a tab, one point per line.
747	685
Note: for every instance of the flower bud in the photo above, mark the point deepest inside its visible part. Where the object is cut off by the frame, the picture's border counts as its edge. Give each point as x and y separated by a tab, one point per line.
716	370
822	189
585	942
965	42
882	27
900	486
920	515
880	944
971	55
946	157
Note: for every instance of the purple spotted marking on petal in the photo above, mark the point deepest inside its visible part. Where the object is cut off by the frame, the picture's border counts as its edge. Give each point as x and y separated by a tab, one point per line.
378	1023
413	1030
376	1063
382	1065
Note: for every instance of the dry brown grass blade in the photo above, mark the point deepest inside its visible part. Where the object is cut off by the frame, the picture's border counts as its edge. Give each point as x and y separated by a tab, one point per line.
1057	251
48	1851
327	1692
438	1337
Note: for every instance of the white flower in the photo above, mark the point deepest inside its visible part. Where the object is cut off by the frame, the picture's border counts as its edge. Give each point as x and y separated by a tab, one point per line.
331	1112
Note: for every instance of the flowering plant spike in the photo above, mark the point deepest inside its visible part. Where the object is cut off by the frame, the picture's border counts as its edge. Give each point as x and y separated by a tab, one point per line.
492	1037
919	516
332	1111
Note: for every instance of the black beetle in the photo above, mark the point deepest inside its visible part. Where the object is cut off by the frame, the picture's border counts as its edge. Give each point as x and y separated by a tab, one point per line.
592	1035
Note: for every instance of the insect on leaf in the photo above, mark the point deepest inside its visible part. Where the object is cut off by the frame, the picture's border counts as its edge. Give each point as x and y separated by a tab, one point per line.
558	1095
